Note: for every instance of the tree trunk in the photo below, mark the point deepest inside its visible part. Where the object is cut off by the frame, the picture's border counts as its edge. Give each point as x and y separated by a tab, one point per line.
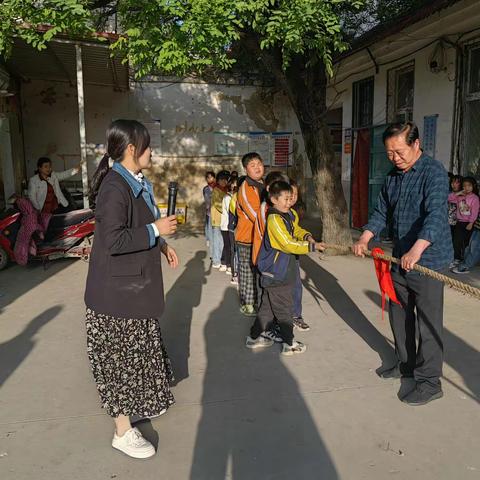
307	87
305	83
327	177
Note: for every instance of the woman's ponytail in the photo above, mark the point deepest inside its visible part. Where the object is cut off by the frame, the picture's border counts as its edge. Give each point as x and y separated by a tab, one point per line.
97	179
120	134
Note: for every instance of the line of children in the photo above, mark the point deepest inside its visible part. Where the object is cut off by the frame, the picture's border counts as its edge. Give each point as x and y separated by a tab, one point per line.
258	235
220	196
242	224
242	212
277	262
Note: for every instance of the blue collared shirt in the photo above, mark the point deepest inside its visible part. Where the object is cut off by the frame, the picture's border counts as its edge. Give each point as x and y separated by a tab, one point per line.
416	201
144	188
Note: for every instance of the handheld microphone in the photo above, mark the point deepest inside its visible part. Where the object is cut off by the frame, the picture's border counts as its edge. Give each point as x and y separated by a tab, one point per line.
172	198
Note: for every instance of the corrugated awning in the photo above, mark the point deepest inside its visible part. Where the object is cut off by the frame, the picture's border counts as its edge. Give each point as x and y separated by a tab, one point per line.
58	62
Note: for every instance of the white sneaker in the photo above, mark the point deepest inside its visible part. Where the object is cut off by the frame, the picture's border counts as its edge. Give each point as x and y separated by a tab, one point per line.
133	444
223	268
229	271
259	342
296	347
216	265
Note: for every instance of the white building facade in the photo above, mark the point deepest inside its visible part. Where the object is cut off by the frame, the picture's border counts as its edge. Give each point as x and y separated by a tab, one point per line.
425	69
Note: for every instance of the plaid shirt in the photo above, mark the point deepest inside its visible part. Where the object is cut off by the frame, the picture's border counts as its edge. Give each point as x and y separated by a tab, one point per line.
416	202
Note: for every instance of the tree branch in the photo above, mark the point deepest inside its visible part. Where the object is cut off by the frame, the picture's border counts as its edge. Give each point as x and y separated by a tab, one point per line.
271	59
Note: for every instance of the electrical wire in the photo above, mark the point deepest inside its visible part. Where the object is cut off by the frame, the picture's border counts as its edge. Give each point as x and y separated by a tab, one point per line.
383	64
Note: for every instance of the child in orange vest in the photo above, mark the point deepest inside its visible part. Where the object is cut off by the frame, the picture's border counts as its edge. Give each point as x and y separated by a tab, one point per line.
248	206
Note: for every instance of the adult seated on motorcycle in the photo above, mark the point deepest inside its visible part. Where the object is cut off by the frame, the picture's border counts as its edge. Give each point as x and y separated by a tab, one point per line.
44	187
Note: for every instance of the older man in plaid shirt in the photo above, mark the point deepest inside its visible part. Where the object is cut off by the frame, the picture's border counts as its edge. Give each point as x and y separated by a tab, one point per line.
414	197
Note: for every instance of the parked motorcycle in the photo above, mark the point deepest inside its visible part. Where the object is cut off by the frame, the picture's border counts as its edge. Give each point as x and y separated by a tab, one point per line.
69	235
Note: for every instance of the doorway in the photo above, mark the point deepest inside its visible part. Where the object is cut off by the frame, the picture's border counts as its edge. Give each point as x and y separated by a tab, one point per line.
370	166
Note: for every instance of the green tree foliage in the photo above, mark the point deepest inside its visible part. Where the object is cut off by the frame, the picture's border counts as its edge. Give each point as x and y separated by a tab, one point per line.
39	21
293	40
185	36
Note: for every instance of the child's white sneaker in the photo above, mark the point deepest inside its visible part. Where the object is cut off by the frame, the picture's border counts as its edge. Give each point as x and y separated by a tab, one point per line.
259	342
133	444
223	268
296	347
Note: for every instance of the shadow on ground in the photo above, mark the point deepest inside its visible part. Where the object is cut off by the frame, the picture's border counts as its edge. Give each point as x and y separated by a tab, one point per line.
322	285
184	295
15	281
459	355
15	351
188	231
255	423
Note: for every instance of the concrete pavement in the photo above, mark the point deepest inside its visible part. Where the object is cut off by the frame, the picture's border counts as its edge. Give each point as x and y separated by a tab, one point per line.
240	414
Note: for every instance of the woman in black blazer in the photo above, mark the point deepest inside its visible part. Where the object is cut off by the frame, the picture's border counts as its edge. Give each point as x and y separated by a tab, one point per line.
124	292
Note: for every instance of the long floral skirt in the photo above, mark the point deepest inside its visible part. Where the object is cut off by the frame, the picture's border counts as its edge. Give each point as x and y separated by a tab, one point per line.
130	364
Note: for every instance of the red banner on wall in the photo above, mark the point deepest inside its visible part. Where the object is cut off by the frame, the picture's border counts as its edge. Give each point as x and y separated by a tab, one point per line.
282	149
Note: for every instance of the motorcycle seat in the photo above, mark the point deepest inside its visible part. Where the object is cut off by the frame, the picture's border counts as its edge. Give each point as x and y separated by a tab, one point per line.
70	218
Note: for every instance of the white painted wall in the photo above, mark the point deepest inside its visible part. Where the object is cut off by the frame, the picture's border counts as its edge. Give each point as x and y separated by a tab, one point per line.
434	92
189	114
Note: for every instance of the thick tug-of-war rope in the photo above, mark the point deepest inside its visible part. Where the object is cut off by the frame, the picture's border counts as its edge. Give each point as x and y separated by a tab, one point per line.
451	282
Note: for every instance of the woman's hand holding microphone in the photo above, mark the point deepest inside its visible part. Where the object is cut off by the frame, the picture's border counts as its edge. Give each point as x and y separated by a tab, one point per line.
167	225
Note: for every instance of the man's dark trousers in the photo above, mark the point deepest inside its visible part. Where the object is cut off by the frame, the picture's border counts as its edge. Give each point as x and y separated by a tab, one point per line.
421	298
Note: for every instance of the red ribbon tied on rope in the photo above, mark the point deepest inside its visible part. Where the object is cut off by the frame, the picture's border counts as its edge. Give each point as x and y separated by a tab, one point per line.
382	269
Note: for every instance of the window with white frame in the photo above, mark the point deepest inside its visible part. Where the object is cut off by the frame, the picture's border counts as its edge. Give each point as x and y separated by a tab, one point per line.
401	83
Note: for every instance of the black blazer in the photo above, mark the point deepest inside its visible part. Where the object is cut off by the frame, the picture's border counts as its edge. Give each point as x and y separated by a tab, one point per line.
125	274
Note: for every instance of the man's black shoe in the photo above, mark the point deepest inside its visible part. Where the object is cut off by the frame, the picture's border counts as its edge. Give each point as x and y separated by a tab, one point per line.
394	372
420	396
